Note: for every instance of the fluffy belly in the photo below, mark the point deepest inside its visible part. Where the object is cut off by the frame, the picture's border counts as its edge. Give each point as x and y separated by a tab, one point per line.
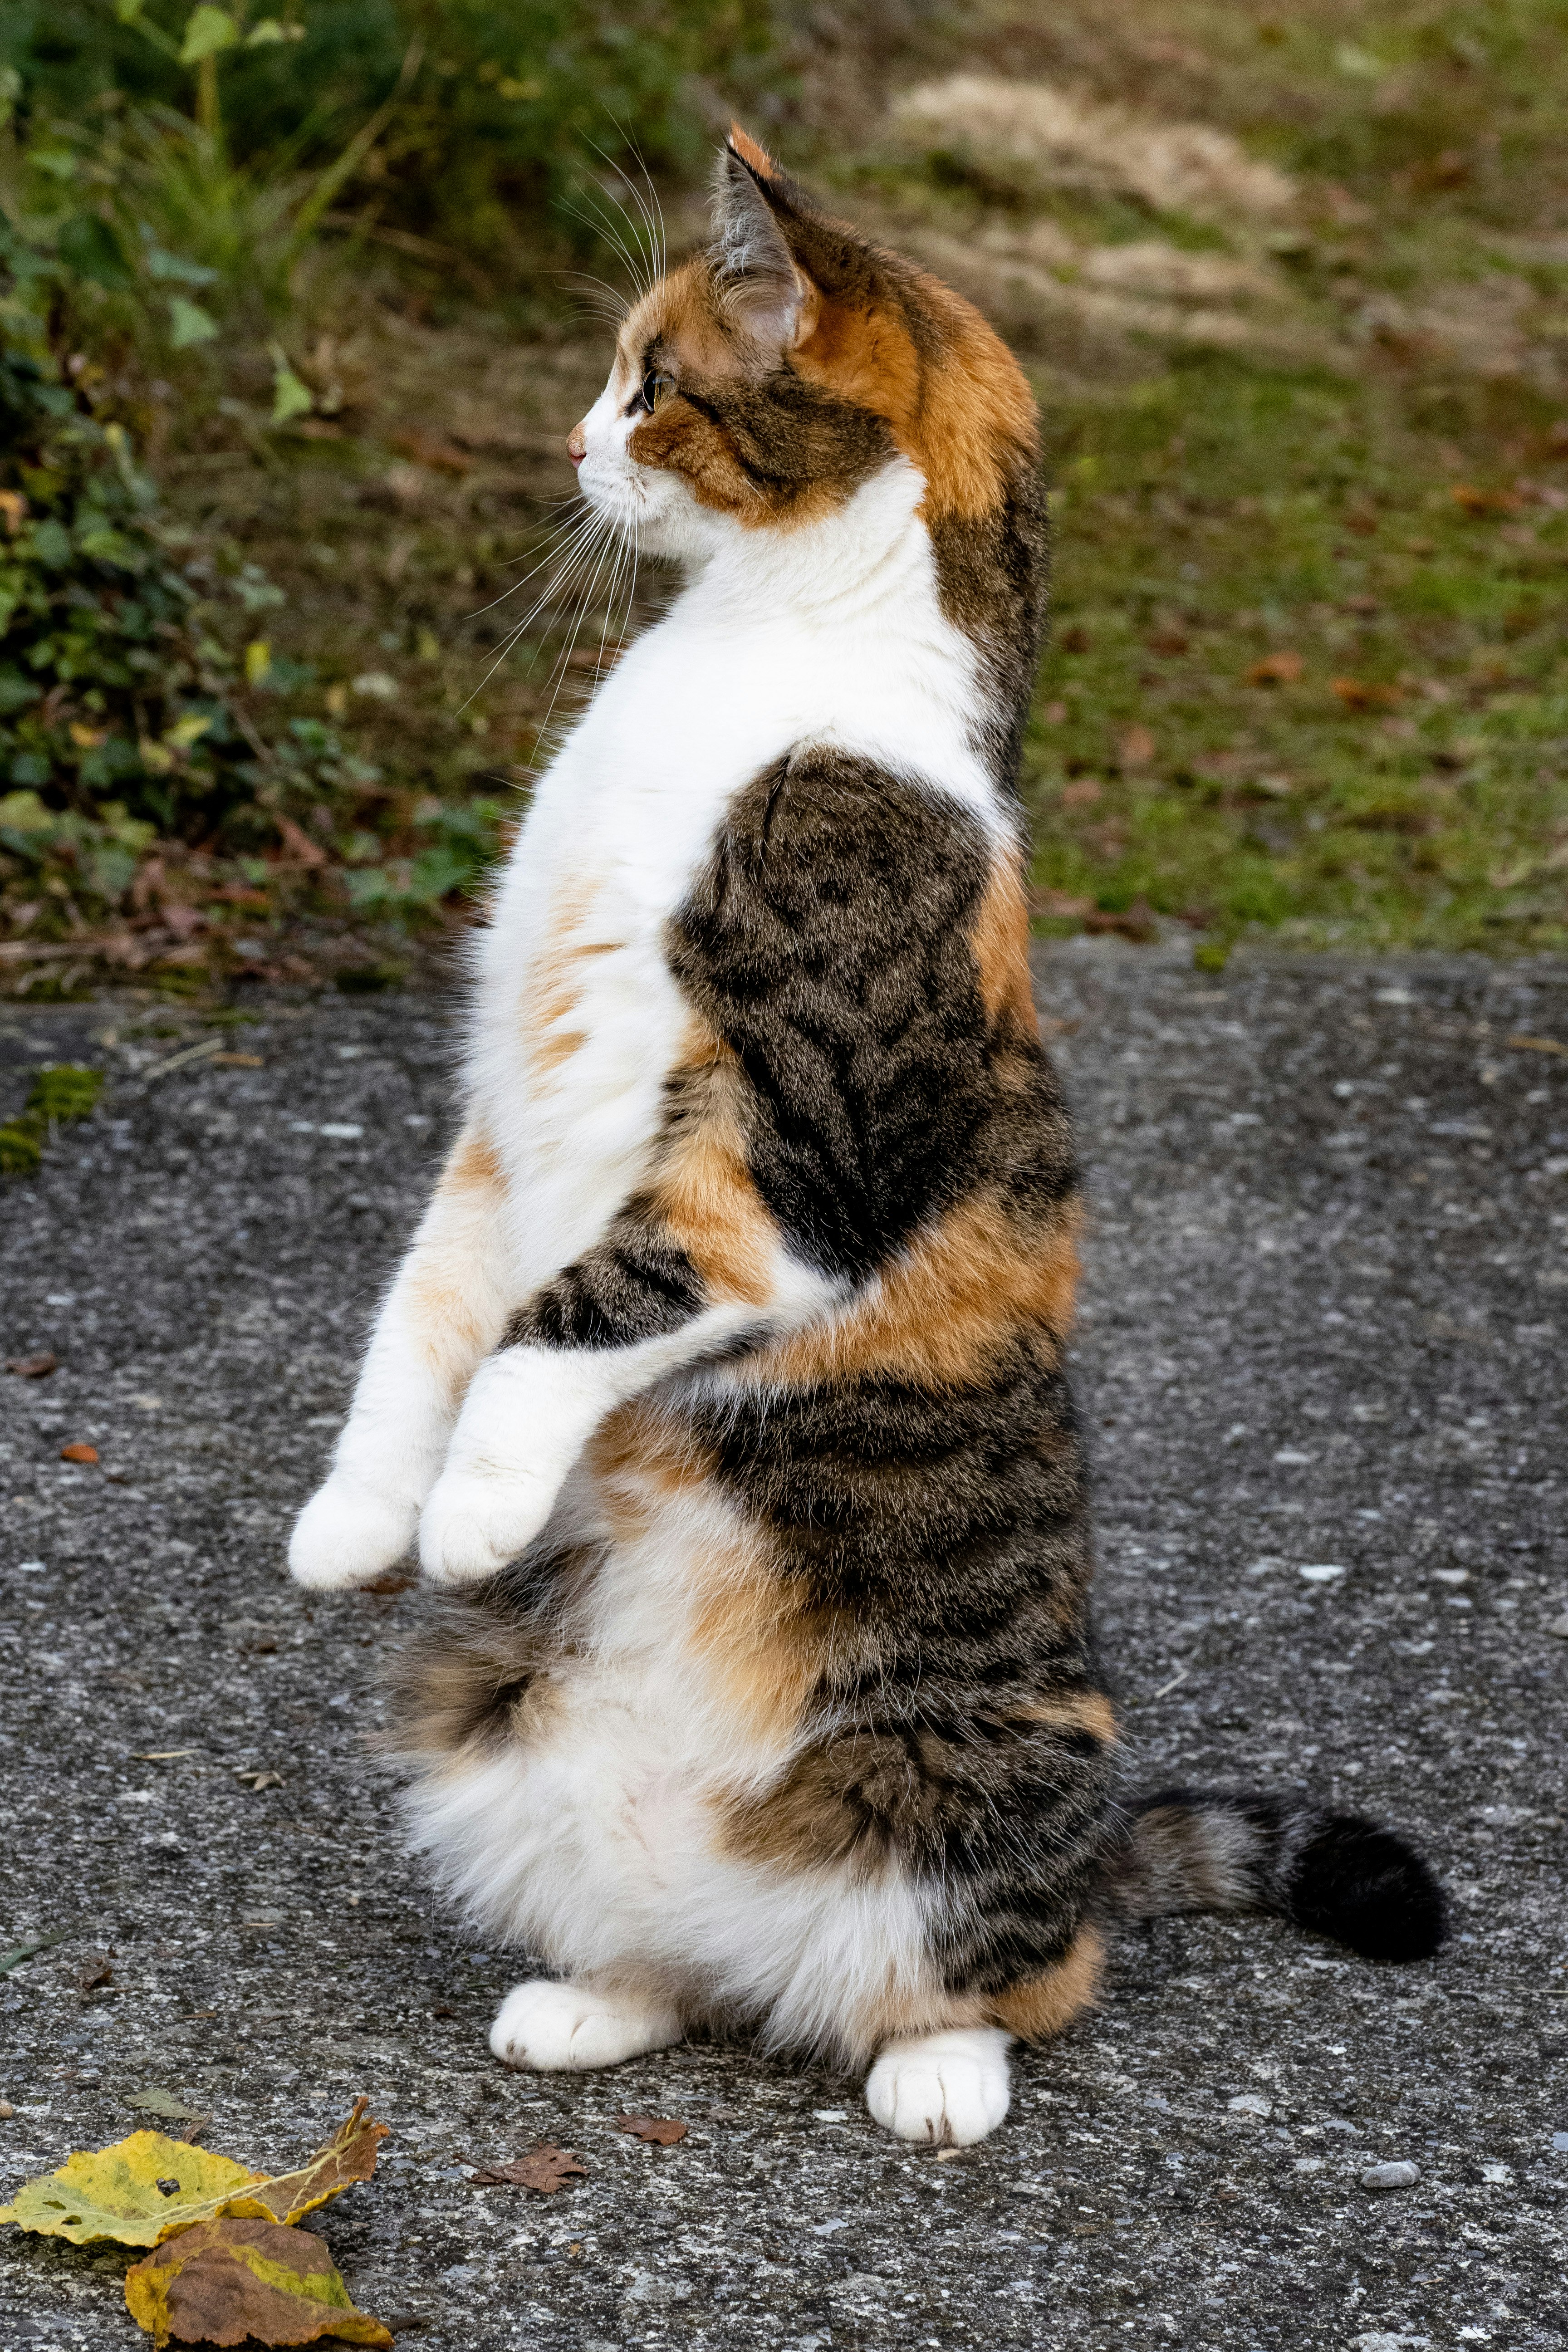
599	1846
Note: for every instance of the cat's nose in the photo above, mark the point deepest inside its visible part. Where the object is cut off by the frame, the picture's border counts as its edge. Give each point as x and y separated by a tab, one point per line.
576	448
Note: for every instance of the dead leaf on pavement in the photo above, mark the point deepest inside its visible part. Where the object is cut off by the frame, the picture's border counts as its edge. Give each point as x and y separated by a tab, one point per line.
543	2169
96	1969
154	2102
79	1453
228	2282
1276	669
254	1778
115	2192
659	2129
32	1368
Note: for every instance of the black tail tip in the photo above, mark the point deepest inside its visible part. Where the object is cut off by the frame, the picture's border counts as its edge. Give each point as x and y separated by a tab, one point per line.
1366	1887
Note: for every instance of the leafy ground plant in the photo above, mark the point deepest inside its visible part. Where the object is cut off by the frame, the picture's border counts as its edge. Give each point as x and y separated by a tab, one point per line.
62	1092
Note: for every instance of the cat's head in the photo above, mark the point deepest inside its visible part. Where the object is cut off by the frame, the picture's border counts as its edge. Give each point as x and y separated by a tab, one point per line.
757	387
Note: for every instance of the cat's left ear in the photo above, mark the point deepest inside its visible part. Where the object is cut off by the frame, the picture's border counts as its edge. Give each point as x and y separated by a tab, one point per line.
756	271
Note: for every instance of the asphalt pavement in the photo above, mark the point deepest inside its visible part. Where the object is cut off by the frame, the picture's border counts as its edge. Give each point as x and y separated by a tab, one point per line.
1321	1364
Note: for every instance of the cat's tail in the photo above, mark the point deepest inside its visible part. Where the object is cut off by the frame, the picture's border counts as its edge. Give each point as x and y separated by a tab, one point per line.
1335	1874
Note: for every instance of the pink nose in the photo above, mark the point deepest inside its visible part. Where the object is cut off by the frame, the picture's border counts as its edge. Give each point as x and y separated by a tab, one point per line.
576	448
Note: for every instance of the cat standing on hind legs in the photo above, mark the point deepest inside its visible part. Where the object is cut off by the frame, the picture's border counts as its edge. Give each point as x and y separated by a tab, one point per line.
723	1381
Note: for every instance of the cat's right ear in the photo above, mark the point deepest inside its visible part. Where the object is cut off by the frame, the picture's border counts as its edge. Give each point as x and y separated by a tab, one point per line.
752	263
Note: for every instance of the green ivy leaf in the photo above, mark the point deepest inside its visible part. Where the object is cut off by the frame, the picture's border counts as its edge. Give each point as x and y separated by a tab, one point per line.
189	323
289	396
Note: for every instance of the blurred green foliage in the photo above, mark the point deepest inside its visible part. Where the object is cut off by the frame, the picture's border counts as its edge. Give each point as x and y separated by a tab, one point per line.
489	110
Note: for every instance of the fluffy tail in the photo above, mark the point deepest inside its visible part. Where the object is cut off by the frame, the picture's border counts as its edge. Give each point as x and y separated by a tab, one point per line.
1334	1873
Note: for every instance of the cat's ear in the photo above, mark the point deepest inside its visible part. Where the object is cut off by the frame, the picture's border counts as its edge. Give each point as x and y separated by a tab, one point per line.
752	265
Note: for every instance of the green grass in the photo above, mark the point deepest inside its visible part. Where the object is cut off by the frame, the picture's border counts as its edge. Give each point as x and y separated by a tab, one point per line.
1219	518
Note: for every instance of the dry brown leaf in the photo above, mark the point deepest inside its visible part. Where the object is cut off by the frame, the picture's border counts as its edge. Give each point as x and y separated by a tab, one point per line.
661	2129
229	2282
1364	694
1277	669
1476	501
79	1453
32	1368
301	849
1136	922
96	1969
440	456
544	2169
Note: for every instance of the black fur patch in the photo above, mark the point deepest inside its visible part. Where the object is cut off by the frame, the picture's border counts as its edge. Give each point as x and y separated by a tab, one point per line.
1366	1887
633	1284
828	944
994	579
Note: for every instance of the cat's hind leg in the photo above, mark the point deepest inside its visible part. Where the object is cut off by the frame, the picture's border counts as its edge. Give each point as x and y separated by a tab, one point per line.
573	2027
946	2090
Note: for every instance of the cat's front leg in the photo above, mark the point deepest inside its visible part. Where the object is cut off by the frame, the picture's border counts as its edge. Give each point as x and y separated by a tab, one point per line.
528	1414
444	1313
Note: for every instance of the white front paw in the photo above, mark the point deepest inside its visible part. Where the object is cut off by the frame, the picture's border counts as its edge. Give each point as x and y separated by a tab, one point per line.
567	2028
946	2089
348	1533
476	1521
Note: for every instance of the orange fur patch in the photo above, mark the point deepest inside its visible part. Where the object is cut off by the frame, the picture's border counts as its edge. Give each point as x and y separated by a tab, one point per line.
453	1332
1001	944
957	416
1037	2010
747	149
552	990
703	1190
764	1647
1089	1711
944	1312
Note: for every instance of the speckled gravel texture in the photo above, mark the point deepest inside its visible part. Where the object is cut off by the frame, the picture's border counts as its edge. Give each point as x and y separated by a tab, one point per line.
1323	1330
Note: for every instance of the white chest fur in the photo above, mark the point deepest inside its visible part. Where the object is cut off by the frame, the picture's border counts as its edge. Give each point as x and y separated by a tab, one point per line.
831	635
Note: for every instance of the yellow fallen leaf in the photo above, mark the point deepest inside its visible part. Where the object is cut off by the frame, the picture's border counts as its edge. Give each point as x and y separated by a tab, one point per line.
229	2282
115	2192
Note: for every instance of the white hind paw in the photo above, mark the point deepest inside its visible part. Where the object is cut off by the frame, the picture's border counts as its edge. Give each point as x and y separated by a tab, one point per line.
347	1534
946	2089
567	2028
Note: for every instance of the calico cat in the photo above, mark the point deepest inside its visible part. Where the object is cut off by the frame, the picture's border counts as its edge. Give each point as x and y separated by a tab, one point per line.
723	1379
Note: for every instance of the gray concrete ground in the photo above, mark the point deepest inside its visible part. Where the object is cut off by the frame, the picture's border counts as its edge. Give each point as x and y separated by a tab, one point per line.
1322	1331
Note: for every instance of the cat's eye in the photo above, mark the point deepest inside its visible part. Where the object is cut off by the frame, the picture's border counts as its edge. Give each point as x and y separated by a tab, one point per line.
653	388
